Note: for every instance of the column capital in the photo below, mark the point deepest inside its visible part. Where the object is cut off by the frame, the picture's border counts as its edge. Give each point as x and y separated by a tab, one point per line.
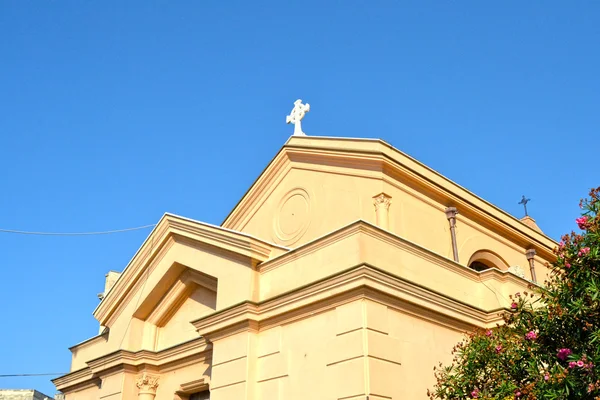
147	383
382	200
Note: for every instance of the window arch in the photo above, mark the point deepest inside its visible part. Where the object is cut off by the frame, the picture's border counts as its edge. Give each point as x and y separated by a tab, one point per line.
486	259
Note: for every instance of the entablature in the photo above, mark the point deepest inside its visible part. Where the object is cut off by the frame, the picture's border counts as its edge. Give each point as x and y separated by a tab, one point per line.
360	281
128	360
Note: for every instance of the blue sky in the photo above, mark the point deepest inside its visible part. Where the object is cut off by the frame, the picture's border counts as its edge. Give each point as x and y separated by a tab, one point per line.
112	114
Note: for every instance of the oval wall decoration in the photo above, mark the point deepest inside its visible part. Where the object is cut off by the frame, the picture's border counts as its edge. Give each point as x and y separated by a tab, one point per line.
292	216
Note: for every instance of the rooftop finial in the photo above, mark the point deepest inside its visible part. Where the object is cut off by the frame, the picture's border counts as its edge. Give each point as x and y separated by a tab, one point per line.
296	116
524	201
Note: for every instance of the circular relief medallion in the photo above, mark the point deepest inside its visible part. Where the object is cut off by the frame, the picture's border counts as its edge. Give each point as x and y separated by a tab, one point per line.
292	217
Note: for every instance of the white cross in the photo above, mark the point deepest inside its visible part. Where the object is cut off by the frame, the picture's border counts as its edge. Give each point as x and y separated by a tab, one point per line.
296	116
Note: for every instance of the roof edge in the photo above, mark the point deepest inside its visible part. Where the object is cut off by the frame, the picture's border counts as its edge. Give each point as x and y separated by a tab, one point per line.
397	161
169	225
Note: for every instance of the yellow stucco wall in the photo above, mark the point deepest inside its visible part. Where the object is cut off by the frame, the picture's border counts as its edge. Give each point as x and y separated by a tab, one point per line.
357	348
328	200
178	329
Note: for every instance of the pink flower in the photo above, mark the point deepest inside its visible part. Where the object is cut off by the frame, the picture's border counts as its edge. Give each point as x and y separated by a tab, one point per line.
568	265
580	363
563	354
475	393
517	394
498	348
572	364
531	335
561	245
488	333
546	377
583	251
514	305
582	222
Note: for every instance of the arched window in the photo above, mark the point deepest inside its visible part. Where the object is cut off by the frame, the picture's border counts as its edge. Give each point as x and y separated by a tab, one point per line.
485	259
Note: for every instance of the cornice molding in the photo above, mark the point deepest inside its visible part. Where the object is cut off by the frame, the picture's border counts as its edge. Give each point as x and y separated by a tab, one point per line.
174	296
75	378
170	302
169	228
125	359
364	227
361	281
103	337
236	242
197	385
258	191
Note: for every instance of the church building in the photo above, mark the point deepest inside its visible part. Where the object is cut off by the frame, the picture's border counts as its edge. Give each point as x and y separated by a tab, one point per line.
347	271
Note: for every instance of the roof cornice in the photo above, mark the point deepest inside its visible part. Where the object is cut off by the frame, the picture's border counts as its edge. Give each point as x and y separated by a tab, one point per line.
360	281
133	359
259	190
396	242
371	155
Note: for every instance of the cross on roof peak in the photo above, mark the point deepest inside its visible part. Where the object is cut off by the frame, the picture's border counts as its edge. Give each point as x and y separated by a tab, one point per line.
524	201
296	116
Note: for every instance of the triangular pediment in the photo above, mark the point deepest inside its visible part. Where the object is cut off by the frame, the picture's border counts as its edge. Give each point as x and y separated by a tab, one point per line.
316	185
175	245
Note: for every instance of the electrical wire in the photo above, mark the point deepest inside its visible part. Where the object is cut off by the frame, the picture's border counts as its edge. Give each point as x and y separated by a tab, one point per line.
68	234
76	233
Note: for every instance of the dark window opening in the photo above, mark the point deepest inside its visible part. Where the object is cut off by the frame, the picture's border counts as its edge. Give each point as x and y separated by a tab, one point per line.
479	266
200	396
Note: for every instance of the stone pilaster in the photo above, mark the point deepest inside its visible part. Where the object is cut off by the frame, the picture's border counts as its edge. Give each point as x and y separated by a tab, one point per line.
382	204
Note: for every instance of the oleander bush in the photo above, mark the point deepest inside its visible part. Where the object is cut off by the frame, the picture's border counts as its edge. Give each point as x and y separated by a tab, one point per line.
549	344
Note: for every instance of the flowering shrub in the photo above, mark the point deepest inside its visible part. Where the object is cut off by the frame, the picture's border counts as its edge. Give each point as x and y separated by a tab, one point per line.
549	344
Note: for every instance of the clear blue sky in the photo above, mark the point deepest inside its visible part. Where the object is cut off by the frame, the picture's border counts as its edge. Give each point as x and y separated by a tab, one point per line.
112	114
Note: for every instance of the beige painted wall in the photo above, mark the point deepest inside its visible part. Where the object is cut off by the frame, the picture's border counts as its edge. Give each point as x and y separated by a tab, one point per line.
356	349
178	328
89	393
307	204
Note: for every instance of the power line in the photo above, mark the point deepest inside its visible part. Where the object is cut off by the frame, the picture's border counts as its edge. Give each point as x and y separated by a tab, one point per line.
66	234
76	233
17	375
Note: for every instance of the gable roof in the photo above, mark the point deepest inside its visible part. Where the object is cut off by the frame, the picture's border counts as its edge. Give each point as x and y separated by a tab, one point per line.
378	155
244	245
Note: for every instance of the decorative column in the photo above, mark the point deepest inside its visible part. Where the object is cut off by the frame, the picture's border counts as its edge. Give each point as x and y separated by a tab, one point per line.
382	207
530	254
147	385
451	213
